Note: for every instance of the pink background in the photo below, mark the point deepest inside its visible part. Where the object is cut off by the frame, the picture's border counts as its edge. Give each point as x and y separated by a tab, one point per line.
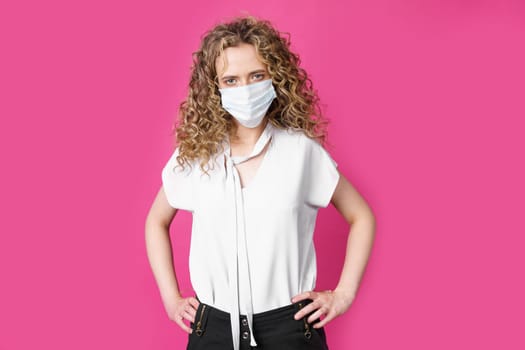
426	102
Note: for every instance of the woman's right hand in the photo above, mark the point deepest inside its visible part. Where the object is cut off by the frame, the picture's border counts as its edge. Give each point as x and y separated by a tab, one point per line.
183	308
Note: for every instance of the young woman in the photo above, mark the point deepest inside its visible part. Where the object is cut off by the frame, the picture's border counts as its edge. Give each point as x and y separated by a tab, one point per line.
250	167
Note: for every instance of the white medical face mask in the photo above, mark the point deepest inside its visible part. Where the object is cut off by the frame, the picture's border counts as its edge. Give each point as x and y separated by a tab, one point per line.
249	103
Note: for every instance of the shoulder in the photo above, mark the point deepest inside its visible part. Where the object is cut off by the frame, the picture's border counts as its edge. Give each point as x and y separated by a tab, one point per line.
173	165
292	138
295	144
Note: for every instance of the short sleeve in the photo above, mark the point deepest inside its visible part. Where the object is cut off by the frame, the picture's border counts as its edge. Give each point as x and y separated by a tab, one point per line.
322	175
178	183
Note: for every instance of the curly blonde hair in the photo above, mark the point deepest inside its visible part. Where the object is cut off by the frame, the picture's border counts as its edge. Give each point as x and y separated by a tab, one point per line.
204	124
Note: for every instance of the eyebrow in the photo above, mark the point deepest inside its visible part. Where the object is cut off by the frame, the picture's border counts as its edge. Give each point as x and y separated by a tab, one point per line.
234	76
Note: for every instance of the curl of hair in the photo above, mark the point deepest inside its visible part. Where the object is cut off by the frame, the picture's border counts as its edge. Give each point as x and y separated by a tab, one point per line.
203	124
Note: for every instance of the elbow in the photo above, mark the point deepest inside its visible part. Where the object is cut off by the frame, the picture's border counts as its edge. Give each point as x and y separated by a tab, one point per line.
155	223
365	217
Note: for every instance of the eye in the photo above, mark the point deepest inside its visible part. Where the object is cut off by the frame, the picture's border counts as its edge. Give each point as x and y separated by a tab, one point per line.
229	80
259	75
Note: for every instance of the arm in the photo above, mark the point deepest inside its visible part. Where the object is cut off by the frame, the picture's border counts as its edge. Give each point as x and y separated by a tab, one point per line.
352	206
359	215
159	252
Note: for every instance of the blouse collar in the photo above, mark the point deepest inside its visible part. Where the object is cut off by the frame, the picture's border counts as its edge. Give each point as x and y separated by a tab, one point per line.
257	149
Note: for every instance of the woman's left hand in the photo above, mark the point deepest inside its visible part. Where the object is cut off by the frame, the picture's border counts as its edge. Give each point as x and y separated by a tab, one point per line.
329	303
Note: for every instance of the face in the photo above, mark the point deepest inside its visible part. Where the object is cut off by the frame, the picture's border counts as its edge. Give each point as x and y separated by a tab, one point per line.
242	67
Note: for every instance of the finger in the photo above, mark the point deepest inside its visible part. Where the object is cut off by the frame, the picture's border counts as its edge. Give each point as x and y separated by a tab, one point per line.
192	312
306	310
328	318
182	325
194	302
302	296
190	308
317	314
189	316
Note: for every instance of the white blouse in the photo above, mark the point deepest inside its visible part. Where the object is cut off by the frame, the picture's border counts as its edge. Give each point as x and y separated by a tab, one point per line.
252	248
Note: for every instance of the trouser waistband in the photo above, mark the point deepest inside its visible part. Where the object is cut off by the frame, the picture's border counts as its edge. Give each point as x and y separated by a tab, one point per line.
277	313
261	320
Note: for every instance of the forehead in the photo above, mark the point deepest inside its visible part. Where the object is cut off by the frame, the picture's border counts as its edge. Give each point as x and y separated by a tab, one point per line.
238	60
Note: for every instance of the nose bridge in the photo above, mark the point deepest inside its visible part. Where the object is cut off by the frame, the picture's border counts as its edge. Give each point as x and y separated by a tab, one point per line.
244	81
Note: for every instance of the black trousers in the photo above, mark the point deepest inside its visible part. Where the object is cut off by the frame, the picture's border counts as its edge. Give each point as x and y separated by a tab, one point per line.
274	330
